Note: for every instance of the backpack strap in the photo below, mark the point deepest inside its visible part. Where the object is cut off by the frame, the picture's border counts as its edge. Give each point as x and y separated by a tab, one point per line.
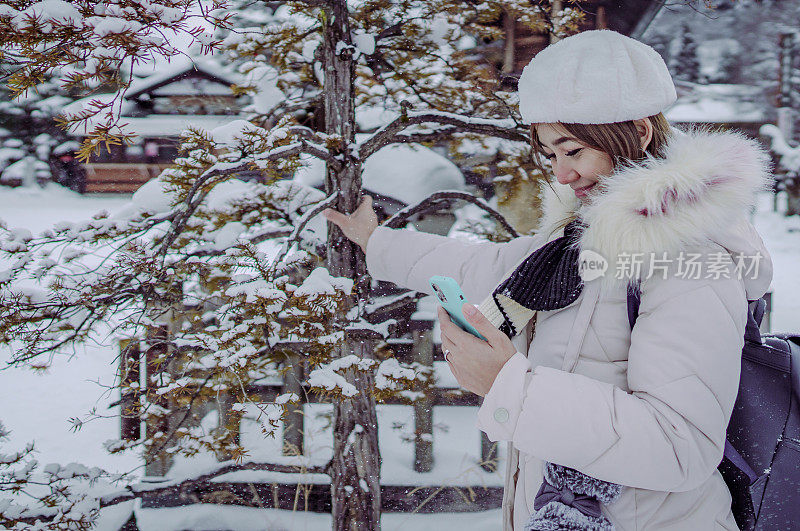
731	454
755	312
752	333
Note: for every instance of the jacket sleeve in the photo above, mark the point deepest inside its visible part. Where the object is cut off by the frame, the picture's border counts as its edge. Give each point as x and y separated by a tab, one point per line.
668	432
409	258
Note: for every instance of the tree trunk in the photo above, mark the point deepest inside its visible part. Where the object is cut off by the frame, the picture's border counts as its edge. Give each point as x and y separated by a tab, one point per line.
793	196
422	332
355	468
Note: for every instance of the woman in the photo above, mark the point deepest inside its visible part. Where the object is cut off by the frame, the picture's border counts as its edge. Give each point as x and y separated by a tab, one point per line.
608	427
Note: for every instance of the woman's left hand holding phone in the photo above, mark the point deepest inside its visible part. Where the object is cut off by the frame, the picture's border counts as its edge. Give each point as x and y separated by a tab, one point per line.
474	362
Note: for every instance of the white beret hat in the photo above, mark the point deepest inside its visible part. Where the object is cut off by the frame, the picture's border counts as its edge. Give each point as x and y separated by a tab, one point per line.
595	77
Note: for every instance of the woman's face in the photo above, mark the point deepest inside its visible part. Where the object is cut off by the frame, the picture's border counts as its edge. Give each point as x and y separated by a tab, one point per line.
573	163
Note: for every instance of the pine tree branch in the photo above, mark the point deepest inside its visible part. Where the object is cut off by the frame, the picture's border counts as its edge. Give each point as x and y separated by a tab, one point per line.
437	200
255	240
195	197
390	134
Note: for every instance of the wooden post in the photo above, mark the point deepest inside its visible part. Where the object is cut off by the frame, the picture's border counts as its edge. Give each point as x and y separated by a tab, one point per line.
229	420
130	406
157	336
510	26
601	19
294	425
766	321
786	45
423	407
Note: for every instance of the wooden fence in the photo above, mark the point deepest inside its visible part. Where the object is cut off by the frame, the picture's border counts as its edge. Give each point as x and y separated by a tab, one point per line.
140	358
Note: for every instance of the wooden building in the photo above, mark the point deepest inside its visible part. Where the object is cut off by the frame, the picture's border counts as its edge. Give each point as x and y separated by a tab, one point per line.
157	109
629	17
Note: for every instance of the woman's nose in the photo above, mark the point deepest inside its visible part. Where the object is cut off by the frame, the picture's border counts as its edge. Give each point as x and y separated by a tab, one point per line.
565	173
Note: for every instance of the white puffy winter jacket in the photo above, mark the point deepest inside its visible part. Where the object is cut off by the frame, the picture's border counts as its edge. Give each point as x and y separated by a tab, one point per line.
646	408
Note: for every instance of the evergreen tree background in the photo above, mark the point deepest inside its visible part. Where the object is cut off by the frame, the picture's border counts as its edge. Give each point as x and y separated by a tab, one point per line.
685	64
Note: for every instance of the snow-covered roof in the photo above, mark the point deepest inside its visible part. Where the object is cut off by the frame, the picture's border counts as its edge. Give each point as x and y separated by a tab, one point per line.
182	66
719	103
406	172
164	125
84	104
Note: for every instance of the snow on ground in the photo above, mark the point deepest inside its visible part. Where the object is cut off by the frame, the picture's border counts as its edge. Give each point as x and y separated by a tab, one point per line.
781	236
215	517
38	406
37	209
70	388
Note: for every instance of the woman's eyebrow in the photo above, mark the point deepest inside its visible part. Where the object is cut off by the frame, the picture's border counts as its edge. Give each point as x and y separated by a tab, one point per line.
557	142
561	140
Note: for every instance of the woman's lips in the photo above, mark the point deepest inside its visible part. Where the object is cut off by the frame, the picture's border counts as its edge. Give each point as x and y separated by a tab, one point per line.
582	192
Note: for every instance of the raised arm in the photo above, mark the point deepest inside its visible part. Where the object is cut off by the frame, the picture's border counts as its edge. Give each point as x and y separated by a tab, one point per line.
409	258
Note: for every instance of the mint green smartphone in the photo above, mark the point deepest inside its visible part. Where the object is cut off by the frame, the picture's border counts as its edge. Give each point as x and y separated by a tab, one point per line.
452	298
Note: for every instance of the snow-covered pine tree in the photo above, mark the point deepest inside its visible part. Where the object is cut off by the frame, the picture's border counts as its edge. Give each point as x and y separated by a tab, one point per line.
228	277
686	65
29	118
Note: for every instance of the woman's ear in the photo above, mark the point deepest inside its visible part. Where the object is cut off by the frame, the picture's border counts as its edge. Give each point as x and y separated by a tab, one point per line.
645	129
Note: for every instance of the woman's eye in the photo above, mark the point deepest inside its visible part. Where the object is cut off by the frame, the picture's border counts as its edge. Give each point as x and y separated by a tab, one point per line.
572	153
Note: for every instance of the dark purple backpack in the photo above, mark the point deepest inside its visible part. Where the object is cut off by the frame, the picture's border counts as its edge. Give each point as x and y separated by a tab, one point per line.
761	464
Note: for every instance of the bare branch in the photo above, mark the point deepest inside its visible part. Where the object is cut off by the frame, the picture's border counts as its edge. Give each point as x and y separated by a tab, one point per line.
389	134
435	201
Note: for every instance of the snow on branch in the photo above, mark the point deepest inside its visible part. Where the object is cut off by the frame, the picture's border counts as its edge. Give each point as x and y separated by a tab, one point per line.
454	123
437	200
788	156
50	497
98	43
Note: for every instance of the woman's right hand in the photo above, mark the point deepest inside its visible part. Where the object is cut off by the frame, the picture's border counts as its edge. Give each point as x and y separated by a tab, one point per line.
359	225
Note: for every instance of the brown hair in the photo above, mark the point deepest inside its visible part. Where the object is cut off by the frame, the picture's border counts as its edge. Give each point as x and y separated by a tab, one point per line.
619	140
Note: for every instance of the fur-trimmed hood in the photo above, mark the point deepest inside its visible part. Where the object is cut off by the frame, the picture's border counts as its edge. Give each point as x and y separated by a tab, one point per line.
701	191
